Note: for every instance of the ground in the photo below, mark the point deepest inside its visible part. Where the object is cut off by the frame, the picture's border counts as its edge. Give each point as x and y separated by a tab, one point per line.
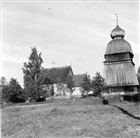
81	118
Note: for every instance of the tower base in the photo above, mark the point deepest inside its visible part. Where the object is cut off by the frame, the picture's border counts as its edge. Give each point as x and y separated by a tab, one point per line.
122	90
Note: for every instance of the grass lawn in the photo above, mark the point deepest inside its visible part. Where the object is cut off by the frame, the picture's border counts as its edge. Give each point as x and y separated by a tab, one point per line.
81	118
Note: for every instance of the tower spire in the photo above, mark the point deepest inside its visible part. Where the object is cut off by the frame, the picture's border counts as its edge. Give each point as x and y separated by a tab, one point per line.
116	18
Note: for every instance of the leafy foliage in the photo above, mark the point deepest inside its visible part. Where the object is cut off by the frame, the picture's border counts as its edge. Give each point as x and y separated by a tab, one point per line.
2	84
13	92
33	76
86	85
98	83
2	81
70	85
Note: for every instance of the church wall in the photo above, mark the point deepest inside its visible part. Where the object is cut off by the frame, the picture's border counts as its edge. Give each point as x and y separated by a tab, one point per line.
61	89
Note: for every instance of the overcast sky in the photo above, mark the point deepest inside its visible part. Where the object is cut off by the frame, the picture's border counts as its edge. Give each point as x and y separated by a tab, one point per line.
76	32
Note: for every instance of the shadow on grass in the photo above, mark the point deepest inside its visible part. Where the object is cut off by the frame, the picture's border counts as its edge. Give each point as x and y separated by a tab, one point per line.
126	112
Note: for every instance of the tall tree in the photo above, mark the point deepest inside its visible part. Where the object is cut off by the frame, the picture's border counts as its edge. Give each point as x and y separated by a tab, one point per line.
98	83
86	85
31	72
33	76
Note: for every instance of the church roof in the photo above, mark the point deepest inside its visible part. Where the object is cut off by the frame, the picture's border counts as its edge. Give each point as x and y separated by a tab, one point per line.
58	74
118	44
78	79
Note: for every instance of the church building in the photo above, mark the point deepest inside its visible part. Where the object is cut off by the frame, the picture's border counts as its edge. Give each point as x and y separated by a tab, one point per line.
119	71
58	77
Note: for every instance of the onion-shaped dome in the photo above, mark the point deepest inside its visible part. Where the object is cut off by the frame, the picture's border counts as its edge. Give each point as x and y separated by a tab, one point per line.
117	32
118	44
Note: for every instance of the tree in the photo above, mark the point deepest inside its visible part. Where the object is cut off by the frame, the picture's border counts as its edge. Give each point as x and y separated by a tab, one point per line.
98	83
70	85
5	94
13	92
3	81
33	76
2	85
41	82
86	85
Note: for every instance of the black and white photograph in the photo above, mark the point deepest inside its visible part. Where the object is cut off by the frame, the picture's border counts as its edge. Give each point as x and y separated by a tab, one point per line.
69	69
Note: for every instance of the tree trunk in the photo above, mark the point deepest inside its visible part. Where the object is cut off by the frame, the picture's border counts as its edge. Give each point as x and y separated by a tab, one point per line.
87	94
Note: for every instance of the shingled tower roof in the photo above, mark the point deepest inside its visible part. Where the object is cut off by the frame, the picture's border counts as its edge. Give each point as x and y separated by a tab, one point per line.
118	44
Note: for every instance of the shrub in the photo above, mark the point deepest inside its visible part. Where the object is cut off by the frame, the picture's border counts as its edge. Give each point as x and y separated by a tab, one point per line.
132	98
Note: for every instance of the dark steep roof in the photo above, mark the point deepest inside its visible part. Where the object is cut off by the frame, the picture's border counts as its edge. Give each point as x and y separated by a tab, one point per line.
58	74
78	79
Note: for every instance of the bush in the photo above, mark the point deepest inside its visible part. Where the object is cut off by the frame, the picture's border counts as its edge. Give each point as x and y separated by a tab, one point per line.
41	100
132	98
105	101
13	92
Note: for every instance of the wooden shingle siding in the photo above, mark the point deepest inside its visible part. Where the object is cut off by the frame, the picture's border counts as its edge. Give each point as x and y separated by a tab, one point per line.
118	46
120	74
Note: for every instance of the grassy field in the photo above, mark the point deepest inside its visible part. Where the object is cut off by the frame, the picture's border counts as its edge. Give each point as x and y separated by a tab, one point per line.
81	118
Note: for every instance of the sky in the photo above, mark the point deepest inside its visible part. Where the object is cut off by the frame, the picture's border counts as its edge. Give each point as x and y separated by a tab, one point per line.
72	32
